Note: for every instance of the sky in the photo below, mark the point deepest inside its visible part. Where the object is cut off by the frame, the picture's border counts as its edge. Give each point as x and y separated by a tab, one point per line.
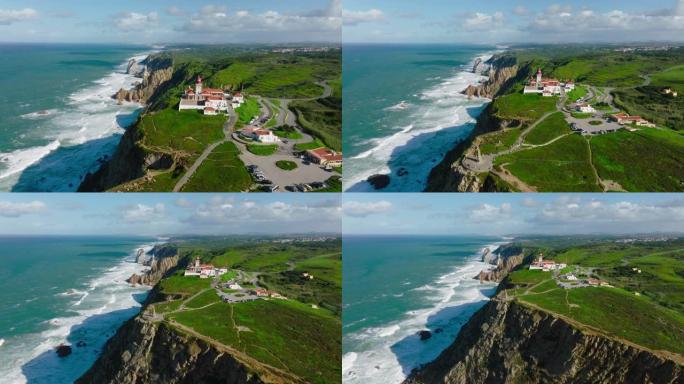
512	21
170	21
152	214
511	214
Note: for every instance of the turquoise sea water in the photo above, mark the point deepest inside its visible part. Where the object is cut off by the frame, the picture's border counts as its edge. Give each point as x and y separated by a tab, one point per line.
403	109
57	290
397	286
57	117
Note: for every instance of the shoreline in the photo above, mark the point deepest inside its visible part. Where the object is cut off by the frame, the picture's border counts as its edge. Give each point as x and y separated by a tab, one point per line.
84	130
397	347
97	310
401	151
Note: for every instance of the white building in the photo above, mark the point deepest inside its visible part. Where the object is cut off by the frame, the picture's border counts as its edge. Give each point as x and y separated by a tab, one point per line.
259	134
204	271
546	265
202	98
547	87
585	108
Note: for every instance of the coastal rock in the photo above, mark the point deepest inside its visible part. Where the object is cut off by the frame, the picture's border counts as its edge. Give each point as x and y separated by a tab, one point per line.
505	342
143	351
141	257
135	68
379	181
143	91
164	258
424	335
506	258
63	350
481	67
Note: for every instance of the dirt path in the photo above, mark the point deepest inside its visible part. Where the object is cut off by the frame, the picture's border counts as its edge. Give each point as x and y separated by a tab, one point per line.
508	177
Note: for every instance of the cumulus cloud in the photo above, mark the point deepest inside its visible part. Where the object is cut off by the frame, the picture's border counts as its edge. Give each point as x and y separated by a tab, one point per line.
133	21
227	211
12	209
563	19
220	19
487	212
357	17
9	16
141	213
478	21
365	209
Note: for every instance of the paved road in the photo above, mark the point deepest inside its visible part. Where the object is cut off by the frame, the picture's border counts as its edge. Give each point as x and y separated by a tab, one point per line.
227	131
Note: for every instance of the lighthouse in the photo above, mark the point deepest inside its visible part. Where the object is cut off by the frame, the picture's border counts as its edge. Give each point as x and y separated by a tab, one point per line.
539	78
198	86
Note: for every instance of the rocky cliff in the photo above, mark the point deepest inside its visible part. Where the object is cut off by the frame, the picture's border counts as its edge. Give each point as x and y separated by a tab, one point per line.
450	175
506	342
506	258
162	259
143	351
154	72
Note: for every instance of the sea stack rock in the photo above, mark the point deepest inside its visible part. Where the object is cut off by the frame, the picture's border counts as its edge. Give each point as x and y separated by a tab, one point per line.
424	335
63	350
379	181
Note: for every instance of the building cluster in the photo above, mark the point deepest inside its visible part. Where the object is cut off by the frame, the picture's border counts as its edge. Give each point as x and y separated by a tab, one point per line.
625	119
547	87
584	108
671	92
546	265
210	101
204	271
260	292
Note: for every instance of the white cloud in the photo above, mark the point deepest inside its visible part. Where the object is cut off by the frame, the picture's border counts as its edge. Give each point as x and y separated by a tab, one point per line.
175	11
488	212
483	22
521	10
220	19
133	21
9	16
364	209
11	209
184	203
141	213
227	211
358	17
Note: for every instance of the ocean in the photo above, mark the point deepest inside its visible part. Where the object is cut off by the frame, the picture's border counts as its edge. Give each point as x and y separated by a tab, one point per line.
57	290
403	110
395	287
57	117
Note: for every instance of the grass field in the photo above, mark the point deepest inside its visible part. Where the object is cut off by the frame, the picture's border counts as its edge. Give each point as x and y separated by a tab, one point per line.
179	284
187	131
203	299
499	141
234	76
672	77
549	129
222	171
653	105
247	111
262	149
646	160
287	132
560	166
321	118
311	145
517	106
577	93
286	165
579	115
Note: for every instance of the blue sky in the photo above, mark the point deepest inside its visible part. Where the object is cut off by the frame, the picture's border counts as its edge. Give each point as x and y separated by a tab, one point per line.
162	214
502	214
504	21
170	21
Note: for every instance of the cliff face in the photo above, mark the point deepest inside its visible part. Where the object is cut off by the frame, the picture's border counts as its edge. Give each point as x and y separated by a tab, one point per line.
450	175
506	258
156	72
506	342
163	259
144	352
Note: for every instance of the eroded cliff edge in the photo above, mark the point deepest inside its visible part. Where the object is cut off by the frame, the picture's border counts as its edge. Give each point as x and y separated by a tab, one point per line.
450	175
507	342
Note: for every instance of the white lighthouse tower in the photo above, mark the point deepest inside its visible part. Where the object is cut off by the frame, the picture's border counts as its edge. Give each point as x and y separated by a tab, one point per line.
539	78
198	86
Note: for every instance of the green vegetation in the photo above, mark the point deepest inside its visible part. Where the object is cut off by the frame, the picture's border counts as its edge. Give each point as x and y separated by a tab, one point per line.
167	306
499	141
287	132
286	165
234	76
646	160
579	115
321	118
334	184
595	122
560	166
247	111
577	93
222	171
262	149
187	131
671	77
549	129
517	106
181	285
203	299
652	104
310	145
646	307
